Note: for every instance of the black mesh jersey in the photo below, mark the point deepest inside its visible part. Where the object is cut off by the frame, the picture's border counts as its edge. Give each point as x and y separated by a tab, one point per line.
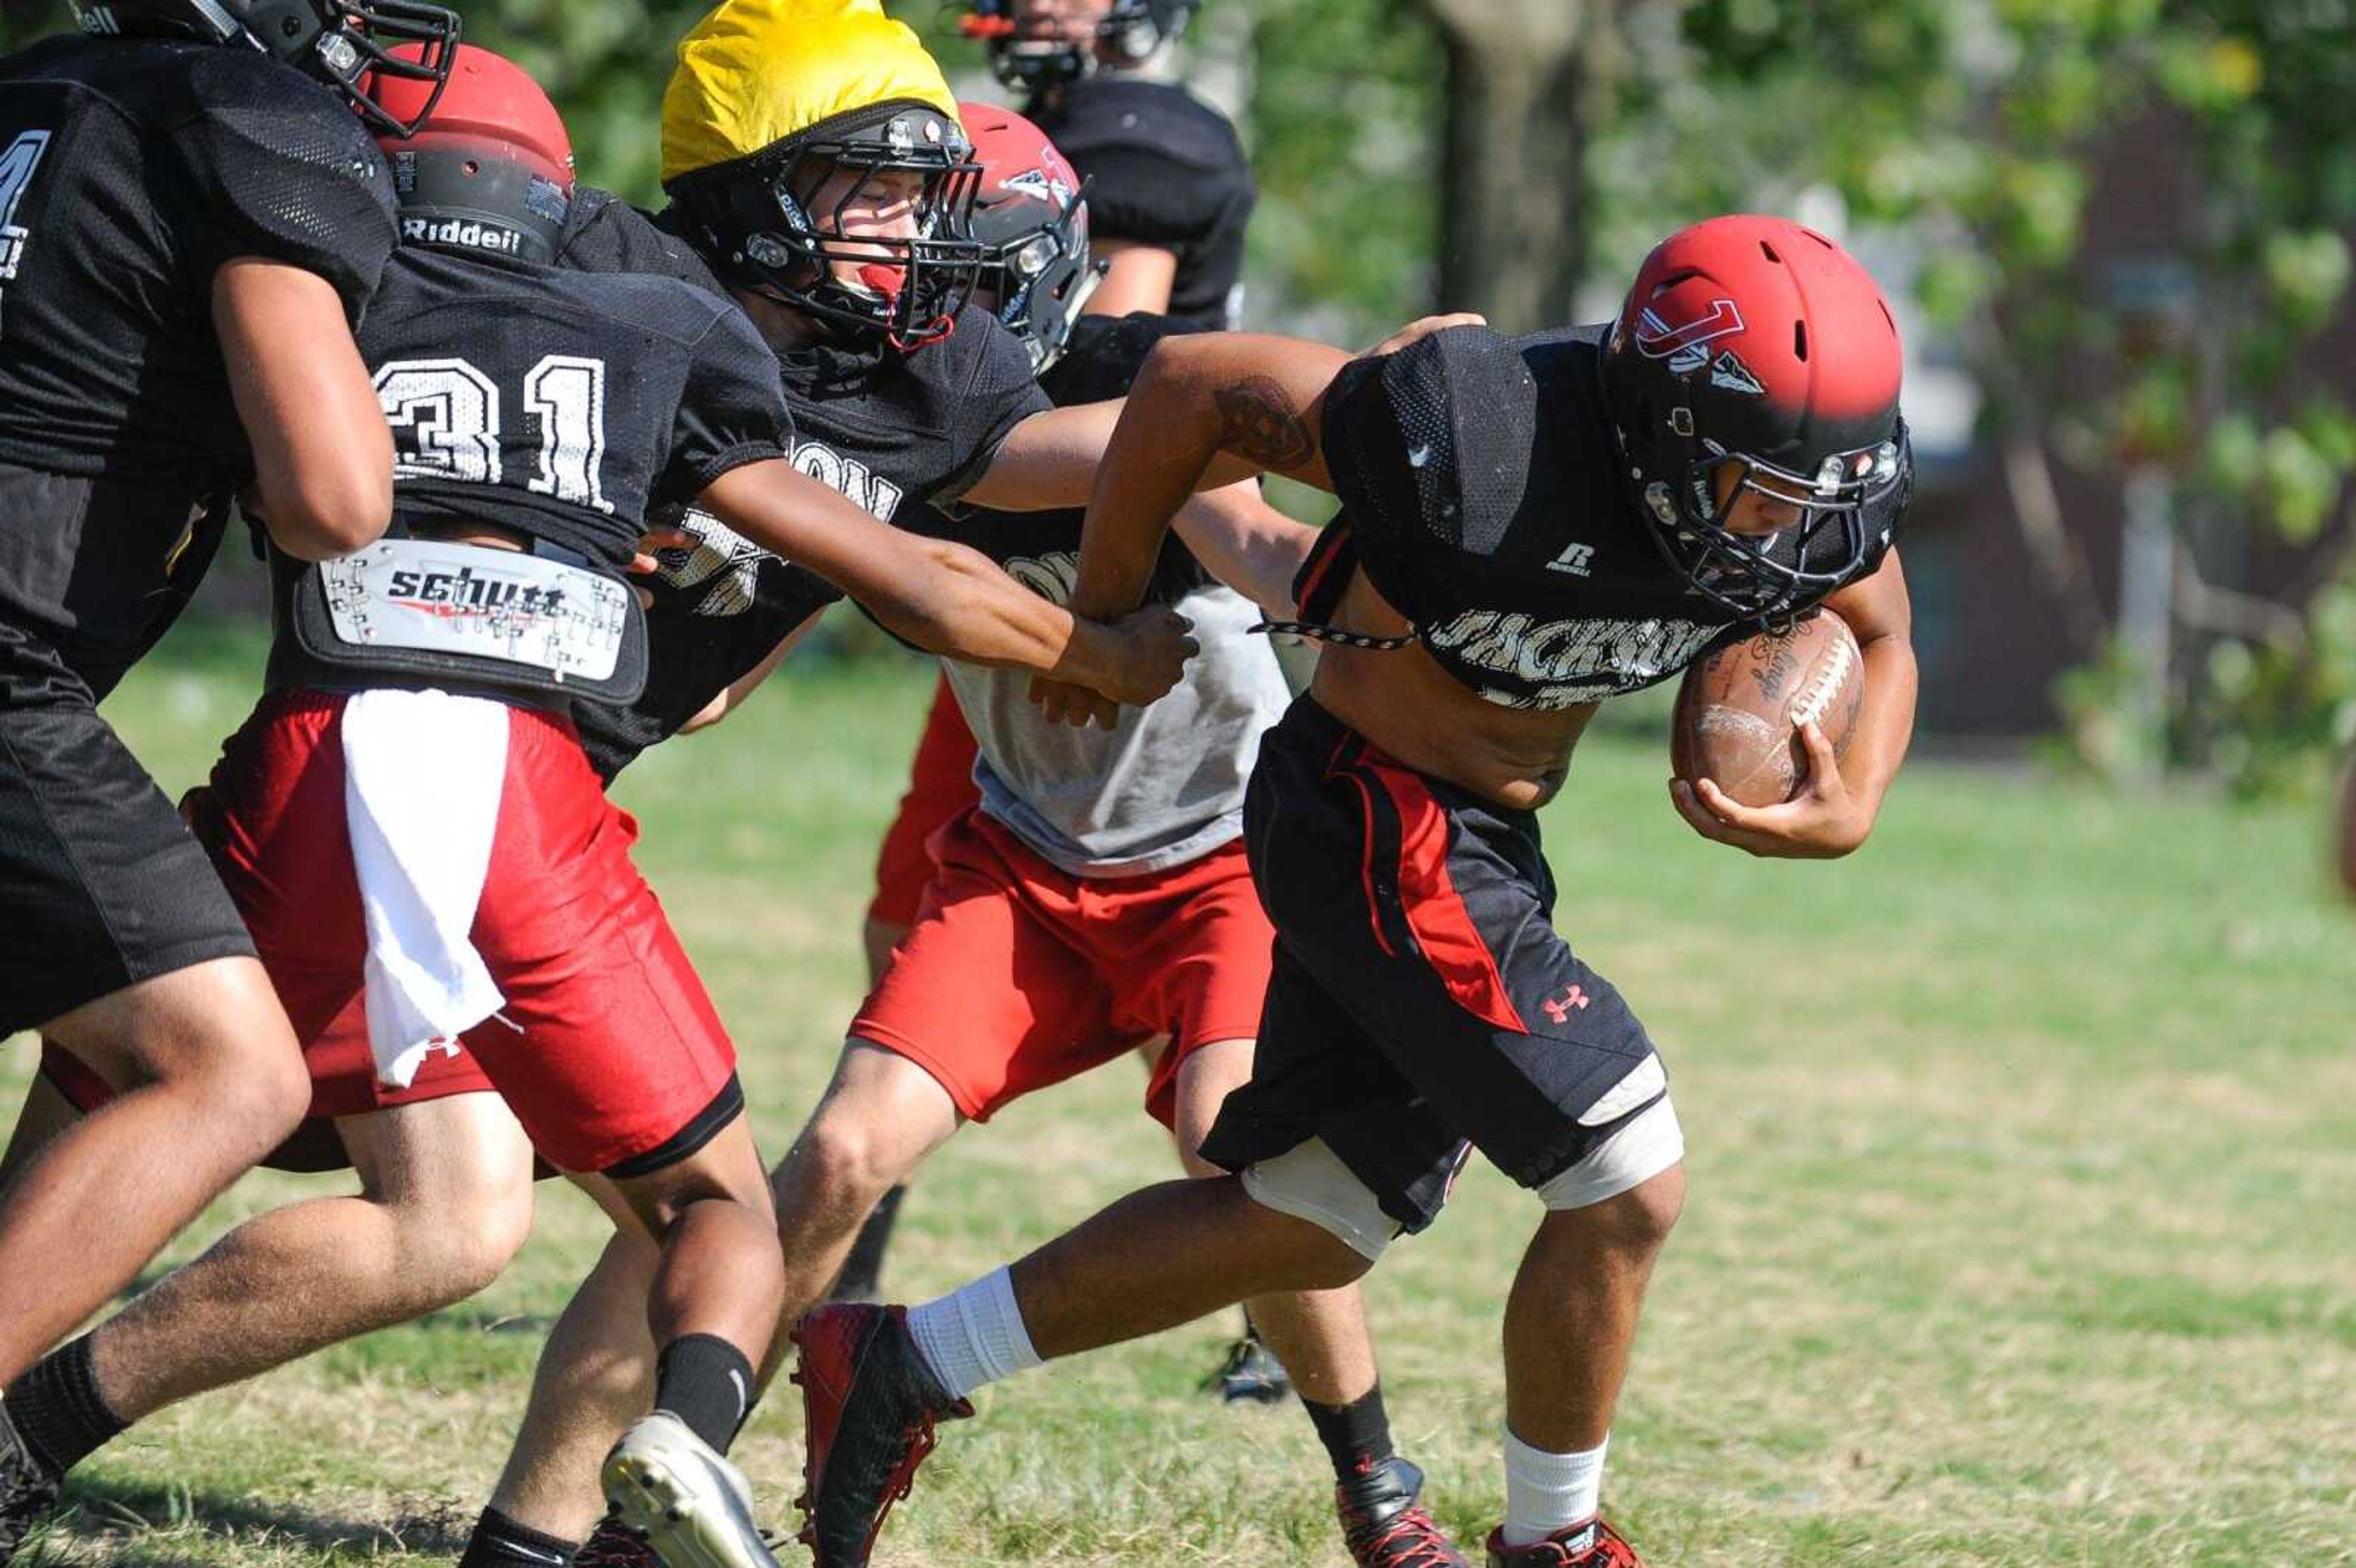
1041	550
566	405
1168	170
129	171
1482	487
888	430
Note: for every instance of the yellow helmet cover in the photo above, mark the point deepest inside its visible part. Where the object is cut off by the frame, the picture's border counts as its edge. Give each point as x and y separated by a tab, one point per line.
754	72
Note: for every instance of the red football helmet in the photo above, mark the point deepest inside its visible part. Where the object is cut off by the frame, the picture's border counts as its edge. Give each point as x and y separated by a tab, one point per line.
1031	217
1757	342
489	170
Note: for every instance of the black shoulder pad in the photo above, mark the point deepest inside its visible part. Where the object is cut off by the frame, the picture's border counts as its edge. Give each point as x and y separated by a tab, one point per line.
283	170
1440	434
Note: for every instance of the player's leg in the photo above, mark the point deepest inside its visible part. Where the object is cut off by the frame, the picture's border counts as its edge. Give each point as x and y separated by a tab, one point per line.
1570	1324
1249	1372
882	1115
444	1202
712	1309
209	1079
596	1375
940	786
1324	1343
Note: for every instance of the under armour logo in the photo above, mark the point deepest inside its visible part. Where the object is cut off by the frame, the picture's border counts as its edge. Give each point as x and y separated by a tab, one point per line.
1560	1010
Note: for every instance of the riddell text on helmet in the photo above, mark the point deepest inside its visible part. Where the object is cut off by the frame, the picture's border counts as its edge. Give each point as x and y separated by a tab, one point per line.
469	233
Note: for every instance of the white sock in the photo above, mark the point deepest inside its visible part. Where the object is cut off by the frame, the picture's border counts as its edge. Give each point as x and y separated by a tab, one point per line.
1547	1492
973	1335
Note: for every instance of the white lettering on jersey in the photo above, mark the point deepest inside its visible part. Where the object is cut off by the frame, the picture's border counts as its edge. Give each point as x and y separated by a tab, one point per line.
1051	576
1574	559
16	166
730	563
1563	660
871	492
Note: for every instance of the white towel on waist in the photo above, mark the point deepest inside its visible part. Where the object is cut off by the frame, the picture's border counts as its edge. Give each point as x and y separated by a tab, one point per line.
422	775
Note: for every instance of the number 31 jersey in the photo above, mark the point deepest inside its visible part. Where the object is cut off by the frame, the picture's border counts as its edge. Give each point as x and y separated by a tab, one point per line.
565	405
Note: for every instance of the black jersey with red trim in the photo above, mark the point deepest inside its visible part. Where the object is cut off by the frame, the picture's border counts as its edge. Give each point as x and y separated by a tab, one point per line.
889	430
130	171
1482	496
1167	170
1041	550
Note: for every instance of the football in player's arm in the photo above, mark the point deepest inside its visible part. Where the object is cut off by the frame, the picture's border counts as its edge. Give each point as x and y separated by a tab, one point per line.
1260	399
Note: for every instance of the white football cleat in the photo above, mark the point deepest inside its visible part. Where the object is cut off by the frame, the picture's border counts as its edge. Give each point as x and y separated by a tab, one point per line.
694	1508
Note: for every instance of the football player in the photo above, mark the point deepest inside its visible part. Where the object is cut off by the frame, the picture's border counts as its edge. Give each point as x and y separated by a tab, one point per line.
1530	526
190	219
1097	895
817	175
1170	192
1169	195
419	697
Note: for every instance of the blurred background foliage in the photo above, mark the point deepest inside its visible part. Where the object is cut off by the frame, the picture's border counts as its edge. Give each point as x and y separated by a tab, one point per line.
2161	411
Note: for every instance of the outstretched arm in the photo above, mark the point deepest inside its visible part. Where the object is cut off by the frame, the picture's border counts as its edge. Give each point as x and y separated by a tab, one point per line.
1247	544
944	597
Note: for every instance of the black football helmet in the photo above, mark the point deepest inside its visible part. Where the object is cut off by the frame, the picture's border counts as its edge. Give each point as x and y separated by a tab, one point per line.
1031	54
754	220
348	44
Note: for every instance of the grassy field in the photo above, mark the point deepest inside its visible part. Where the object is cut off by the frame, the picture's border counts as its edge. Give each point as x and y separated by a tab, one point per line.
2023	1226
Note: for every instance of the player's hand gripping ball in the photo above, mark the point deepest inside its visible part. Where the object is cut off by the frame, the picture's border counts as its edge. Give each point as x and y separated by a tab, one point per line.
1739	711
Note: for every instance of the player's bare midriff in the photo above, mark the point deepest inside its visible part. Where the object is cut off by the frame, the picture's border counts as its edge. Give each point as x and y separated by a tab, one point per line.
455	531
1404	702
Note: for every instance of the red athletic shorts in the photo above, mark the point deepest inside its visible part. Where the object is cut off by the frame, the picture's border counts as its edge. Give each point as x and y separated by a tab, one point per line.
1017	974
940	785
607	1048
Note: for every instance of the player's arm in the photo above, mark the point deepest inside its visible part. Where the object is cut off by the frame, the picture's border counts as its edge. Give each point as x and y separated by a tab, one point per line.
1837	810
945	597
322	454
1140	278
1247	544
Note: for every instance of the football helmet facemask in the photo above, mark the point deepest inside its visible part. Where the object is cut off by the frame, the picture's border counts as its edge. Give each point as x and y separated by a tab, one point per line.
772	222
1756	342
353	46
1029	53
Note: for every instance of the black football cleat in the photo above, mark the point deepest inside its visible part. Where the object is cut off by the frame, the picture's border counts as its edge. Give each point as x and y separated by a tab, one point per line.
1251	1375
869	1405
1593	1544
1385	1527
28	1491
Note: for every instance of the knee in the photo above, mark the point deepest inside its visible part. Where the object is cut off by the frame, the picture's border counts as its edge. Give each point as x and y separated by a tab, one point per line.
1634	1224
261	1092
462	1243
841	1160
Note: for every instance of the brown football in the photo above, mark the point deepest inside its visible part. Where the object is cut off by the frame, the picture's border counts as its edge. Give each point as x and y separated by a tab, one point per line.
1740	710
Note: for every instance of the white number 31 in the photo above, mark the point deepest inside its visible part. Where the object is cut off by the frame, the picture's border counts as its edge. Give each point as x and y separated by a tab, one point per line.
444	415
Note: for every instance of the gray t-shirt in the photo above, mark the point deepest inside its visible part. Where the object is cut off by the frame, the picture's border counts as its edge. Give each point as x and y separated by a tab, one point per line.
1163	787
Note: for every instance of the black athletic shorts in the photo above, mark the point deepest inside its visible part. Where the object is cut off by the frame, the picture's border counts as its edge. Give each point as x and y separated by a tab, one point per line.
100	885
1422	999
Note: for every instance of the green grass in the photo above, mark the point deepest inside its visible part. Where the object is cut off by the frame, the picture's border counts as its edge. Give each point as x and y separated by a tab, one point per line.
2023	1226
